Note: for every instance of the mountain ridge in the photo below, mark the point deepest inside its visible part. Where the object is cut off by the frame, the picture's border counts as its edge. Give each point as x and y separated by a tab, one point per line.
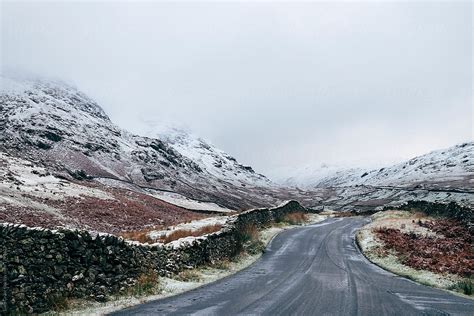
452	166
55	126
68	131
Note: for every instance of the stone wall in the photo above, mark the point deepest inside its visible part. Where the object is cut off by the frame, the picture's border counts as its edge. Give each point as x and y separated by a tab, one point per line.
38	267
451	210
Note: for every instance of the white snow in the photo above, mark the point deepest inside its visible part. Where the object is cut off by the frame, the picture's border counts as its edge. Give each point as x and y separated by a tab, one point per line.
369	244
190	204
191	226
20	180
441	166
89	141
171	287
207	156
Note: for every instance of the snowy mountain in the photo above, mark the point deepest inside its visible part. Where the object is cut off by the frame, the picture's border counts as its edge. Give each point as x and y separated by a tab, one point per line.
451	167
63	158
208	157
308	176
66	131
441	176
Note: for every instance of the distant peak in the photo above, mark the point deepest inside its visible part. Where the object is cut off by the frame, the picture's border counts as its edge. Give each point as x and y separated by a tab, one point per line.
40	90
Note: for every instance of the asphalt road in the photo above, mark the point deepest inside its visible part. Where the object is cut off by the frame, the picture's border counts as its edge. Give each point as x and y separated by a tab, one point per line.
312	270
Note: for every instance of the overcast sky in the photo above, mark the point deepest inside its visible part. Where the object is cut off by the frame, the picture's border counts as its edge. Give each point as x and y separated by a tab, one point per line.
274	84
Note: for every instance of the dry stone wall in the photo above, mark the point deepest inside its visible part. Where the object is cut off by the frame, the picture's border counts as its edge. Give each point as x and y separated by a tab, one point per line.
451	210
39	268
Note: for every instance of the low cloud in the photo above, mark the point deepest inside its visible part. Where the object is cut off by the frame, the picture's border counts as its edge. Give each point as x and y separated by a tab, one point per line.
274	84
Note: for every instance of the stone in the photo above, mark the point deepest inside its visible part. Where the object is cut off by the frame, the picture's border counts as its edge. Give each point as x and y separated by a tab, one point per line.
77	277
47	263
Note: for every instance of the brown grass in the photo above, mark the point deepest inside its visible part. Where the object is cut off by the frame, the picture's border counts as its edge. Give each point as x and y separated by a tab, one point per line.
223	264
146	284
249	232
296	218
181	233
249	240
139	235
188	276
450	250
344	214
136	211
142	235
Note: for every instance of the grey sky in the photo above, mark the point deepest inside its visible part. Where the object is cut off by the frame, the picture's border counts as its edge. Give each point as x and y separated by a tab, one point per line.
274	84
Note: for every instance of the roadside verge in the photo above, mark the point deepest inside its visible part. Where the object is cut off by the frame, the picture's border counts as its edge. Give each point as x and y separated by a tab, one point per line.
194	278
430	250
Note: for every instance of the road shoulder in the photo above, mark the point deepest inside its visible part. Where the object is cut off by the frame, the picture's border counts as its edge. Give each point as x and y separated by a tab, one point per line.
190	279
383	254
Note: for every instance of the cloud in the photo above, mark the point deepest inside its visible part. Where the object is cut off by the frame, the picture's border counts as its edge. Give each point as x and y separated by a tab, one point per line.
274	84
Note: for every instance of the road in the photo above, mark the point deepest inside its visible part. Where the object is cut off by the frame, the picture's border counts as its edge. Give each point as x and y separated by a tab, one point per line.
312	270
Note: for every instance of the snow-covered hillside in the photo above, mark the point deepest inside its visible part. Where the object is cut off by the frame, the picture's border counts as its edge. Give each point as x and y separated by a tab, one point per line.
32	195
447	168
208	157
67	131
58	129
308	176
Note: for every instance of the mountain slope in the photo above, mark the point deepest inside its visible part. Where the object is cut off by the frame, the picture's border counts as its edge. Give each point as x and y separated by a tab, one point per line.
451	168
56	127
66	131
209	158
308	176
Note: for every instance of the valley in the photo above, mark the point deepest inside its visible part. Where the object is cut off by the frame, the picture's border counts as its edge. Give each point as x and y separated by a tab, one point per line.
133	209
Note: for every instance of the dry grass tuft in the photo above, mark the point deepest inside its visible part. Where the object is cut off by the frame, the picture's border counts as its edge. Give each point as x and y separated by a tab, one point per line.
223	264
345	214
297	218
188	276
249	240
181	233
143	237
139	235
146	284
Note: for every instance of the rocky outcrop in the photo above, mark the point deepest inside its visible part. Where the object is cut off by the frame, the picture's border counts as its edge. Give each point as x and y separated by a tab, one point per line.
41	267
65	130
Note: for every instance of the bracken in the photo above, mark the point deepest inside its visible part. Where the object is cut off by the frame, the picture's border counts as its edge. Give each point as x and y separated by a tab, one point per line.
451	250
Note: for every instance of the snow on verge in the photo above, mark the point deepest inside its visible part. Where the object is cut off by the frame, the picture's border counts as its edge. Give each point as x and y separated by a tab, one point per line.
370	246
173	287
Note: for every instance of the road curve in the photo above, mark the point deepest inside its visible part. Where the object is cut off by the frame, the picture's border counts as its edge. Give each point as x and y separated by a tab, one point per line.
312	270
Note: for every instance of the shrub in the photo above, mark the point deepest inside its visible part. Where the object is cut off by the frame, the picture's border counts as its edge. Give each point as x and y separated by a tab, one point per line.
295	218
345	214
450	250
247	233
465	286
139	235
188	276
223	264
146	284
255	247
248	239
